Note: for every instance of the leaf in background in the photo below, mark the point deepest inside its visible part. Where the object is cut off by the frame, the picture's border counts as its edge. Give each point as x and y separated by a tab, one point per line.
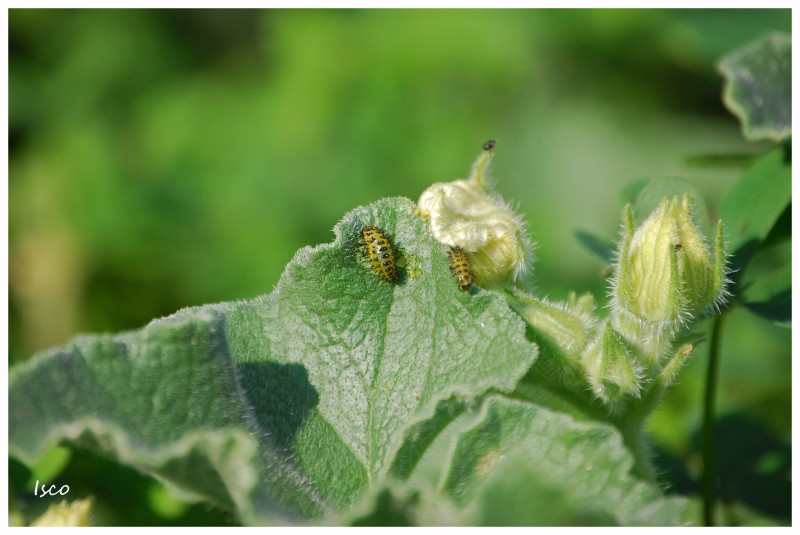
602	248
50	466
771	296
754	465
781	230
388	509
420	436
754	205
739	160
403	505
758	87
631	191
292	403
545	467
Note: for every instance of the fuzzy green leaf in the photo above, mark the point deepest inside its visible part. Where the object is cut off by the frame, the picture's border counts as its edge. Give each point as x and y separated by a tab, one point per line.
403	505
523	464
758	87
290	405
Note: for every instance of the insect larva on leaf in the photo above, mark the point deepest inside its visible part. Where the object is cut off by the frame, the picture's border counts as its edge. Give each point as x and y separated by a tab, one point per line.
380	250
459	267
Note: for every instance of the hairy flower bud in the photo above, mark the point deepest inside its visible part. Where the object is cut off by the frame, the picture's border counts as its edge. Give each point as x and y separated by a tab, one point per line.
611	368
562	329
665	273
468	214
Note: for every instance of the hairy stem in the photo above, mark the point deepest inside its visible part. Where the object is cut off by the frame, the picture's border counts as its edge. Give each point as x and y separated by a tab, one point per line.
635	439
631	425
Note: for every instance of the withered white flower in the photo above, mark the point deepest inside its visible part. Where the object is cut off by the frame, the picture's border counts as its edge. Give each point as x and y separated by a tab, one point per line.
467	213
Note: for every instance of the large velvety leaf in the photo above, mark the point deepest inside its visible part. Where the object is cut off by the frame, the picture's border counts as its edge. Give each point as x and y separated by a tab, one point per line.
758	86
523	464
166	400
288	406
754	205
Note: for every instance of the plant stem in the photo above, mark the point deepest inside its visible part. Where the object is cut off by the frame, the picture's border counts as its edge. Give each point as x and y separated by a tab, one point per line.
635	439
709	468
631	425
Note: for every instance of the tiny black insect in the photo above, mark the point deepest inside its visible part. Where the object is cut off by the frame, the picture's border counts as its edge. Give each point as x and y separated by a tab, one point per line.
381	253
489	145
678	247
459	267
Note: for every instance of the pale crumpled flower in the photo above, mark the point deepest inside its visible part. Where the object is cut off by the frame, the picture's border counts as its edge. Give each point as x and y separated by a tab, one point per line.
468	214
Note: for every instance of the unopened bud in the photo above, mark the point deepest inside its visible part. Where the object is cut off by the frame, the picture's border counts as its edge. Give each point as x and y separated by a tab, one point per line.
611	367
562	329
665	273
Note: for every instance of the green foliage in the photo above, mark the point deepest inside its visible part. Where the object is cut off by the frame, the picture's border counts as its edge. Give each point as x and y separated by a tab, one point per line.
771	296
755	207
759	86
293	402
523	464
752	207
601	247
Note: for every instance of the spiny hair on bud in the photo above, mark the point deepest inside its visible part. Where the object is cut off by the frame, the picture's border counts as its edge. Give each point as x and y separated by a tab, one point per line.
721	245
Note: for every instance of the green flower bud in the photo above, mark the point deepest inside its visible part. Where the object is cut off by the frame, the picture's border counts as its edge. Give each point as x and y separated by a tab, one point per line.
665	274
561	329
469	214
611	368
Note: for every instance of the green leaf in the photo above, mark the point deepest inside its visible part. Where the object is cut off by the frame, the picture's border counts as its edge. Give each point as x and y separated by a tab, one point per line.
164	400
781	230
755	204
631	191
522	464
758	88
771	296
390	510
738	160
420	436
602	248
50	466
290	405
403	505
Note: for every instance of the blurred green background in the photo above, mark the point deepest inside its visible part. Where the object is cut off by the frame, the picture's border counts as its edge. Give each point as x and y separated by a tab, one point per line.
169	158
